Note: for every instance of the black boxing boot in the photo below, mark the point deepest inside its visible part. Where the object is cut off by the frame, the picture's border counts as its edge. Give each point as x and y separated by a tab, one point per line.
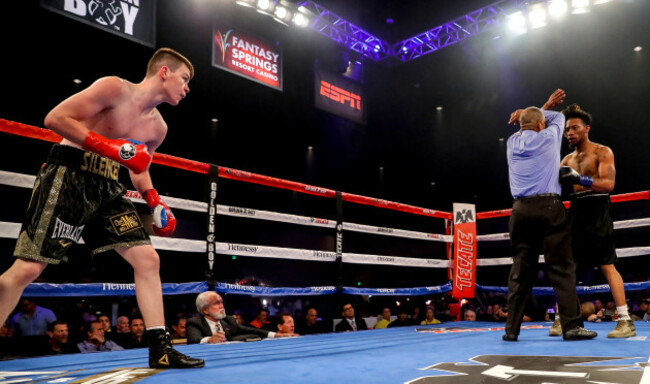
162	355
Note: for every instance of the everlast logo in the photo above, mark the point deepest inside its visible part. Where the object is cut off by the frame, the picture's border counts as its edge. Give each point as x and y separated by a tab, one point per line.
322	255
126	222
101	166
464	216
322	289
241	248
66	231
340	95
315	189
385	230
386	259
386	290
242	211
319	221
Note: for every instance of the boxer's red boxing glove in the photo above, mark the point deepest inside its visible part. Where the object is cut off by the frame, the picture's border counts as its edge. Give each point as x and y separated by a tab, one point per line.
164	221
131	153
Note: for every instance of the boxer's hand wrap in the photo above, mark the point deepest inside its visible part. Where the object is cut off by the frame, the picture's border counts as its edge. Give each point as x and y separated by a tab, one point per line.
130	153
570	175
164	221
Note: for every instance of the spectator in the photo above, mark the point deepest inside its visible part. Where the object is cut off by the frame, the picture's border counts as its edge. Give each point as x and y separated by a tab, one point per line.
641	309
646	317
429	319
95	340
286	325
123	325
180	330
402	319
213	326
415	317
238	318
385	319
57	341
588	310
350	322
310	325
498	314
134	339
261	319
32	320
106	323
469	315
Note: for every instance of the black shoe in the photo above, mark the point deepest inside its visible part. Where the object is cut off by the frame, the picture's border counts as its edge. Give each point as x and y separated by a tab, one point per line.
579	333
509	337
162	355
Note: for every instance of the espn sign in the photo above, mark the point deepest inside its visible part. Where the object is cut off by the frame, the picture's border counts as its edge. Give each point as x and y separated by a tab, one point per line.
339	95
464	263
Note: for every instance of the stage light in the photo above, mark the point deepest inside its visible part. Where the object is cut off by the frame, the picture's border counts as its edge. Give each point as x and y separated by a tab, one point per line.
558	8
439	108
300	19
214	120
405	49
281	12
246	3
638	48
580	6
517	22
398	303
428	302
264	302
76	81
264	5
537	17
377	48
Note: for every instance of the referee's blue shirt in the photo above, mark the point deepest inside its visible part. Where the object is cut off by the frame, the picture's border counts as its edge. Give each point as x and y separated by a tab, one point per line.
534	158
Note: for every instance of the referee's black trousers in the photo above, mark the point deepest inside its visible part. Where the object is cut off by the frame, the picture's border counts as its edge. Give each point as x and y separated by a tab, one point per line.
538	225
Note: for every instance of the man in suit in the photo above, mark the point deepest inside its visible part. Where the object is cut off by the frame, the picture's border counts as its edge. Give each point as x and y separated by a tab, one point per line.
350	322
212	326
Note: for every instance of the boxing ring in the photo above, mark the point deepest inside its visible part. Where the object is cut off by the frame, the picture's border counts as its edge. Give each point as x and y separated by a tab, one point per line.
461	351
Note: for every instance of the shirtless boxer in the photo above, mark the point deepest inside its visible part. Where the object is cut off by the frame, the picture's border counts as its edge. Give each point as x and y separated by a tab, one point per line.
77	193
590	169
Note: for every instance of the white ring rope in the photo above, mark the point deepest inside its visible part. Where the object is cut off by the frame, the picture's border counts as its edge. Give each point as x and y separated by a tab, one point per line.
12	230
624	224
27	181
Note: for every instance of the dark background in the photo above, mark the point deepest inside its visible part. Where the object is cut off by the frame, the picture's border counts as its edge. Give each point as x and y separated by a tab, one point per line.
262	130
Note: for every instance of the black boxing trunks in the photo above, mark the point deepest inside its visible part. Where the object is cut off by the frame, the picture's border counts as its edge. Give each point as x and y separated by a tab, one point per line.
592	239
77	195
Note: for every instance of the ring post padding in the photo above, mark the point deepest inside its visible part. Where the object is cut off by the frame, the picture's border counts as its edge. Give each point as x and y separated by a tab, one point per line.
212	187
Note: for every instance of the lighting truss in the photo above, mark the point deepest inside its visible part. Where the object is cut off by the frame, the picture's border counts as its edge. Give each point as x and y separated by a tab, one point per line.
456	30
343	32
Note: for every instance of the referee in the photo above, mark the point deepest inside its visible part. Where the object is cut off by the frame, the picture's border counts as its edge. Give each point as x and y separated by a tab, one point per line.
538	220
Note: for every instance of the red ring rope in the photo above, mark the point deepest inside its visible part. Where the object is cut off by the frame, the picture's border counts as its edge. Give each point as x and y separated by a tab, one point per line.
20	129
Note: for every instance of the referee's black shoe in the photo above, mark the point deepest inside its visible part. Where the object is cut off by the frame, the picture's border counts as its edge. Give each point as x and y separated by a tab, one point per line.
162	355
579	333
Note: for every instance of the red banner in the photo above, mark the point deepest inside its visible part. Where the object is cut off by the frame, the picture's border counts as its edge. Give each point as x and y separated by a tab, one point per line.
464	277
247	56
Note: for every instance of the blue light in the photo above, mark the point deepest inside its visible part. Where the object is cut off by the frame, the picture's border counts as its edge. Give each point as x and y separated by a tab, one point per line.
405	49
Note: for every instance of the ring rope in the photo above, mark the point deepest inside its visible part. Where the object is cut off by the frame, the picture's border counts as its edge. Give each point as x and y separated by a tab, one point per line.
25	130
27	181
190	165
